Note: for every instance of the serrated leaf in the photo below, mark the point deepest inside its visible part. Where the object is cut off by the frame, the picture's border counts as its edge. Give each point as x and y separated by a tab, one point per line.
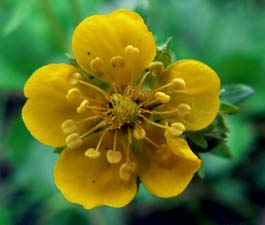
164	53
228	108
223	151
236	93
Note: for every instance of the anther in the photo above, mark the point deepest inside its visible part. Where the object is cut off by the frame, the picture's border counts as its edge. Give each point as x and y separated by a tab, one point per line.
156	67
74	78
83	106
92	153
117	62
179	83
113	157
139	133
73	94
183	110
96	64
163	153
162	97
176	129
73	141
68	126
131	51
126	170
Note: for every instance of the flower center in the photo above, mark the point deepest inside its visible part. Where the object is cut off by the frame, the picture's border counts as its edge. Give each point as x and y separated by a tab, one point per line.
124	109
121	115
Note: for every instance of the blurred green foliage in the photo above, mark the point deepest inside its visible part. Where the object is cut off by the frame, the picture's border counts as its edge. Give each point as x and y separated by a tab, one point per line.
228	35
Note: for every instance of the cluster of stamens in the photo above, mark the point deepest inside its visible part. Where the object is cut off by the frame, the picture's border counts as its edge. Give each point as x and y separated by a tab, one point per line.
120	113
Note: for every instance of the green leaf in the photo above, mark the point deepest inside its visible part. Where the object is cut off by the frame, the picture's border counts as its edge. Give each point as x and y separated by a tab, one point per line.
164	53
223	151
236	93
228	108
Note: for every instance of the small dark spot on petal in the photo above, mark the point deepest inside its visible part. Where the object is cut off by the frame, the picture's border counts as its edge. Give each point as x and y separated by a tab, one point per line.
89	53
93	181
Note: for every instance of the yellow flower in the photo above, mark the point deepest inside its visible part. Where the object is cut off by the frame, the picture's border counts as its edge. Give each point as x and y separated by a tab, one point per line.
133	127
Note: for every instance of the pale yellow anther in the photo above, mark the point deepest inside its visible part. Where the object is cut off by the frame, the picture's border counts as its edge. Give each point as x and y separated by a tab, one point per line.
117	62
92	153
163	153
179	83
73	141
73	94
68	126
83	106
96	64
126	170
131	50
176	129
183	109
113	157
74	78
156	68
139	133
162	97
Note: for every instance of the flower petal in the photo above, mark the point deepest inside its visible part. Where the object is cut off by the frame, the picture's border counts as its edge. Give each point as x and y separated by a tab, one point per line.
201	93
107	36
166	171
93	182
46	107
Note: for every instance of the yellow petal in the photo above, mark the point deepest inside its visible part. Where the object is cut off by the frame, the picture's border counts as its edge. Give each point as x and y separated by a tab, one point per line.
201	93
166	171
103	37
93	182
46	107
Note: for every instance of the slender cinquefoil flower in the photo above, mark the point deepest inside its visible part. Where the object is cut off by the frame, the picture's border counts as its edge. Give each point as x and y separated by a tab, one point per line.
126	120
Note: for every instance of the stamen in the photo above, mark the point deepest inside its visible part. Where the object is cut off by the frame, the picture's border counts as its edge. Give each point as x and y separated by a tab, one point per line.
117	62
96	64
131	51
113	157
162	97
163	153
140	85
151	142
83	106
73	94
92	153
183	110
179	83
153	123
94	87
68	126
139	133
99	125
176	129
73	141
74	78
156	68
126	170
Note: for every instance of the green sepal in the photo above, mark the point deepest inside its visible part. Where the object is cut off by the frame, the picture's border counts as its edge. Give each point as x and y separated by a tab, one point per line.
58	150
164	53
228	108
198	139
235	93
222	150
214	135
201	171
71	59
